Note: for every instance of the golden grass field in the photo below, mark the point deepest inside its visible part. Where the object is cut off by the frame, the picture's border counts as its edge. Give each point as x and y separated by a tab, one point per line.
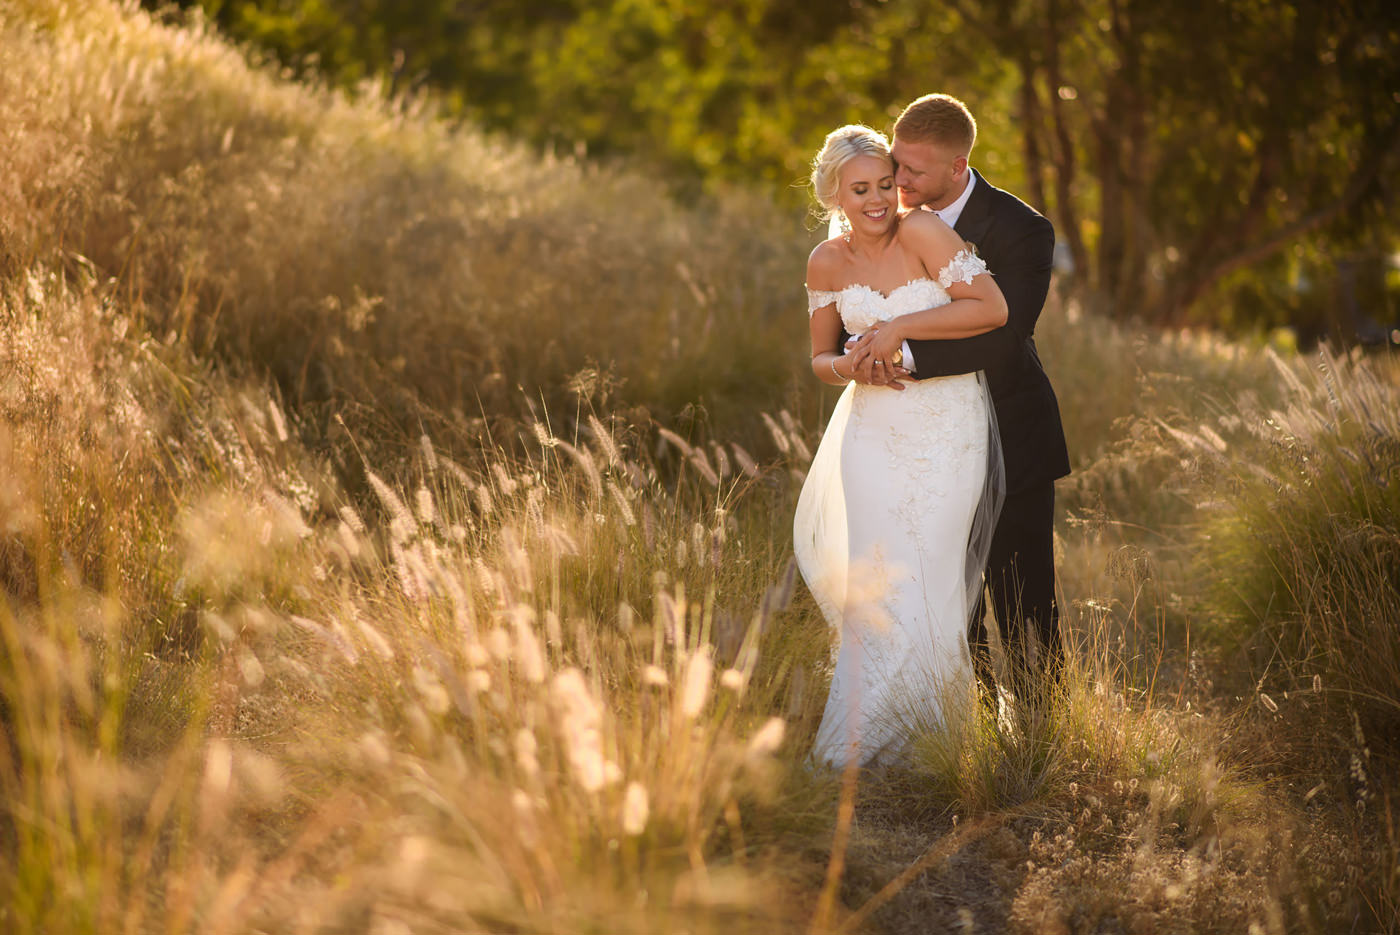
395	538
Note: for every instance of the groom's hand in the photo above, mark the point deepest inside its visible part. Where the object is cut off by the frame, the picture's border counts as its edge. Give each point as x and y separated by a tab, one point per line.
867	370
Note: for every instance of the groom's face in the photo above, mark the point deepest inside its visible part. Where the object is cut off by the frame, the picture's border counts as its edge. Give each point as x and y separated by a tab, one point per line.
928	173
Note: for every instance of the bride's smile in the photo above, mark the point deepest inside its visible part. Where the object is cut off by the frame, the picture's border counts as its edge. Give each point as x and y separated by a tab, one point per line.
868	196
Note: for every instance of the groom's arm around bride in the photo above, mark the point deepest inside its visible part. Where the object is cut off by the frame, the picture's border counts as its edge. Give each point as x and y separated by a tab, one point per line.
932	141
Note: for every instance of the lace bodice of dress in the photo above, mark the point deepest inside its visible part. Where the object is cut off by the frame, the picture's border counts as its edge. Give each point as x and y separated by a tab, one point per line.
861	306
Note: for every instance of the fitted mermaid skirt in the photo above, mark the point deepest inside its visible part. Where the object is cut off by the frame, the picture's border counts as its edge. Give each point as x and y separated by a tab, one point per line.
890	535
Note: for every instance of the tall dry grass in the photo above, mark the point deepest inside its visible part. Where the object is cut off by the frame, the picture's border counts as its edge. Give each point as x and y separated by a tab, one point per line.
395	537
1304	548
440	700
514	697
1301	552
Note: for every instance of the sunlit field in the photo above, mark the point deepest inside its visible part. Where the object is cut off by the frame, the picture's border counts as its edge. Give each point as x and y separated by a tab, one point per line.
395	537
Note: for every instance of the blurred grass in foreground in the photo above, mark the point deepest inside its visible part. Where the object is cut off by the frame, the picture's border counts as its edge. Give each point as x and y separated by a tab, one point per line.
350	587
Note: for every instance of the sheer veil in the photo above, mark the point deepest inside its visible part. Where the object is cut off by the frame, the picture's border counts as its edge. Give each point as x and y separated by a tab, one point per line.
984	520
837	224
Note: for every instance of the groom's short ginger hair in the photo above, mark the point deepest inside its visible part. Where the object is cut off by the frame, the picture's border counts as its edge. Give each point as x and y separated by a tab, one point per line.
938	118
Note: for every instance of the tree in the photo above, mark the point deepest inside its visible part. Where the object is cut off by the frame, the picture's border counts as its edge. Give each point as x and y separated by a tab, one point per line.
1176	162
1186	149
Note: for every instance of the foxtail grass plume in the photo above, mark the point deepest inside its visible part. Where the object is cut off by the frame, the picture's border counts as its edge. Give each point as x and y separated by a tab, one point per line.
635	811
529	655
580	723
702	464
747	465
780	438
605	441
681	444
733	680
527	752
624	509
696	690
768	738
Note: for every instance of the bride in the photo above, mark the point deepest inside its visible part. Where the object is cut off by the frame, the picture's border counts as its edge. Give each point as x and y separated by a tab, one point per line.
896	514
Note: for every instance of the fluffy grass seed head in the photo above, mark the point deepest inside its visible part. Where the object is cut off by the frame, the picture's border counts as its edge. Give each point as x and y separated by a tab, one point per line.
696	690
768	738
635	809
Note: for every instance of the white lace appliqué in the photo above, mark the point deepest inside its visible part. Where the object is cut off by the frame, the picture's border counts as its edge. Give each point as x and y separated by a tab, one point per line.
816	298
963	267
861	306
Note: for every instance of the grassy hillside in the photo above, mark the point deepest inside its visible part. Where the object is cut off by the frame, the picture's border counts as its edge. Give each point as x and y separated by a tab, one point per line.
369	254
395	537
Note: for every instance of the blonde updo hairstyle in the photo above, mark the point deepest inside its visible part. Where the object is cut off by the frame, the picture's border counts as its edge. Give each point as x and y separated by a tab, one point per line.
842	145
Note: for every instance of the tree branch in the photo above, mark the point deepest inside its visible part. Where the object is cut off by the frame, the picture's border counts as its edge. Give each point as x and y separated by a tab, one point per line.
1351	196
996	35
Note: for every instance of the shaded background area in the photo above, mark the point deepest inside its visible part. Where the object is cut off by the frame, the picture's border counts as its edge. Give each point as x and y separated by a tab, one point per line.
1229	164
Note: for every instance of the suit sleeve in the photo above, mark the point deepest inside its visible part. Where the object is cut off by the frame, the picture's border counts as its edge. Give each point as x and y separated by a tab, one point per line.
1022	270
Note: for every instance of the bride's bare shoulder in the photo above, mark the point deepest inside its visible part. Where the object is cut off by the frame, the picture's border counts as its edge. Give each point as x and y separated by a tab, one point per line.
924	223
926	230
824	264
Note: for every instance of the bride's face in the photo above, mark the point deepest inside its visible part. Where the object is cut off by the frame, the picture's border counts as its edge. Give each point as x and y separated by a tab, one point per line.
868	195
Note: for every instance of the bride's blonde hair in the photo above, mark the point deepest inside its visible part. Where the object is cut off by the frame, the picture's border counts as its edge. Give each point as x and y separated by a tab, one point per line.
842	145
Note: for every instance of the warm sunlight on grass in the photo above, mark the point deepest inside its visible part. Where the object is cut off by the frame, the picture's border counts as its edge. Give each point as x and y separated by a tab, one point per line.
395	536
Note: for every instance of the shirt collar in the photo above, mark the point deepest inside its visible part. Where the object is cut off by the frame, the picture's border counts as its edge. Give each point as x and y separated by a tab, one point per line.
950	214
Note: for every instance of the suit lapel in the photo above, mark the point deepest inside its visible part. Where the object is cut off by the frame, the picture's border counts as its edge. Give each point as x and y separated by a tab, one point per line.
976	215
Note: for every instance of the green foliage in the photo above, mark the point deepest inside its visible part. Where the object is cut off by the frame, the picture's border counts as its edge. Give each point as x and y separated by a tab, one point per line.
1175	153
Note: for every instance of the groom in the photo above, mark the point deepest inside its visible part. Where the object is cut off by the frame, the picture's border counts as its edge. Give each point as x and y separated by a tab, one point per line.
932	140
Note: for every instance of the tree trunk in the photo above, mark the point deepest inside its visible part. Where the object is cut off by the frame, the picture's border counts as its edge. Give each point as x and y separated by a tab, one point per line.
1134	288
1066	166
1031	122
1112	223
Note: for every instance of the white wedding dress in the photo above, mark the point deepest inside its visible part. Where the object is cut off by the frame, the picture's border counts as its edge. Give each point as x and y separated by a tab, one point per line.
891	533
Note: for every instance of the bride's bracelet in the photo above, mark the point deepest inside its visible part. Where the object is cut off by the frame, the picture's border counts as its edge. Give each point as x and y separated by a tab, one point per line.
837	372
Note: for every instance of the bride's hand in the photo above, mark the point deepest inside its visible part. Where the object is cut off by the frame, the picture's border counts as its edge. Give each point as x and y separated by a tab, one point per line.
872	356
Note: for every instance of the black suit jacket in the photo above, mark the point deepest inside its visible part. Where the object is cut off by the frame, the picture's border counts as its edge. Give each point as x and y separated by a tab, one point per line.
1017	244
